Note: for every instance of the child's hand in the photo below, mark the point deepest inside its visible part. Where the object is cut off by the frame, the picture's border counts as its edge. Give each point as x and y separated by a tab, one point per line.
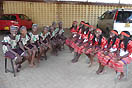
106	53
19	58
118	58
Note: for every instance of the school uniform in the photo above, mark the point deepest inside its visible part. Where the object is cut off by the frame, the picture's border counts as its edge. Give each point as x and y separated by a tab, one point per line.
119	65
44	38
13	43
95	47
34	39
78	39
26	41
84	43
53	40
111	55
73	37
61	35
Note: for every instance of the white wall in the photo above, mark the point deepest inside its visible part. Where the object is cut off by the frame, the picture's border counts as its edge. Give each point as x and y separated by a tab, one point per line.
104	1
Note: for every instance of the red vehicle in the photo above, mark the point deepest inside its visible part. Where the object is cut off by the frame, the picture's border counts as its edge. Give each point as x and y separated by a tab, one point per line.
6	20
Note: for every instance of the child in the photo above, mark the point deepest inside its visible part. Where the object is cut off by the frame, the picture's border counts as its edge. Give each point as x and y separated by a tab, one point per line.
78	38
86	37
79	42
109	52
11	47
61	36
57	40
44	40
54	25
124	54
97	44
73	36
53	41
35	42
26	45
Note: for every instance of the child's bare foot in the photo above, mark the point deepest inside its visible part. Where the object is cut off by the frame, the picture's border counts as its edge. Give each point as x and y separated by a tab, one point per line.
45	57
121	76
32	65
16	68
74	60
19	68
41	58
56	54
98	71
90	65
38	60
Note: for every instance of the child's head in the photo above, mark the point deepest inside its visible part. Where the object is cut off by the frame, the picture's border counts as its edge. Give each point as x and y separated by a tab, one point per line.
34	27
45	29
86	25
124	35
98	32
23	30
81	23
113	33
74	24
60	24
13	30
54	24
91	28
51	28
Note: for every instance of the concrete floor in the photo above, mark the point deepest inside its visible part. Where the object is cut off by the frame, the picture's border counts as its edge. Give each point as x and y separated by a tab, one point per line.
59	72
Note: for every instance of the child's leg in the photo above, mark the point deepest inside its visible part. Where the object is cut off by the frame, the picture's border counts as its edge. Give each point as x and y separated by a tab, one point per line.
40	52
76	57
60	44
100	69
45	51
55	49
33	57
121	75
30	56
91	59
26	56
20	63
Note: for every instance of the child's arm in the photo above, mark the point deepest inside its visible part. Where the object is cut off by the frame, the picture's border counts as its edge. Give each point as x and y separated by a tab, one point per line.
21	46
8	47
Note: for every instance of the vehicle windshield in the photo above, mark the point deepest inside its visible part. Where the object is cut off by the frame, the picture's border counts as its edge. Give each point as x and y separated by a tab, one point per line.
124	17
7	17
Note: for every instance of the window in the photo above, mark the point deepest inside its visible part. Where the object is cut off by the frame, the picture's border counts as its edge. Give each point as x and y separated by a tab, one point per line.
8	17
12	17
124	17
103	16
27	18
107	15
110	15
22	17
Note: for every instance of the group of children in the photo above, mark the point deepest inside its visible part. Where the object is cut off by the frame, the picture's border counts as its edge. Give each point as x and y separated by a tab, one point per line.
31	45
114	51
